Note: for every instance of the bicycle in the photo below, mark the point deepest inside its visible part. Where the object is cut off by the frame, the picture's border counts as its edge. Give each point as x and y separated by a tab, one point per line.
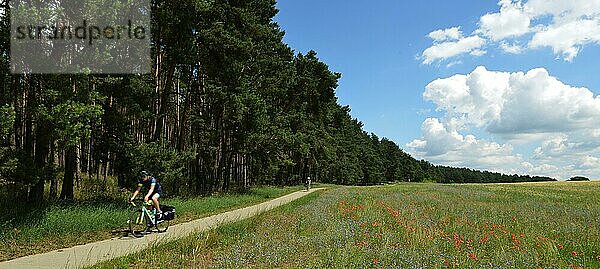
142	220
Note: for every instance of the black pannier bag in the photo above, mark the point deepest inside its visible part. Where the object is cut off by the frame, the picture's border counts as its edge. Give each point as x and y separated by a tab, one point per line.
168	212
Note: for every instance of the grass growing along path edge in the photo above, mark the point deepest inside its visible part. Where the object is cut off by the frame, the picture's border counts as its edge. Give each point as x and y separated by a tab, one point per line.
551	225
56	227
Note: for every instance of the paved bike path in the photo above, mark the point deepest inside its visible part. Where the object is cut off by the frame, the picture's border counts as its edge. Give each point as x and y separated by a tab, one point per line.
92	253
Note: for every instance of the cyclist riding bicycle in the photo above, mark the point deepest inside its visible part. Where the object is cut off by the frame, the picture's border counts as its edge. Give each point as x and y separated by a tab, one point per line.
154	190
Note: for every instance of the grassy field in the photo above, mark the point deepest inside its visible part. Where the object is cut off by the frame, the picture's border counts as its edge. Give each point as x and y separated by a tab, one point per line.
24	231
549	225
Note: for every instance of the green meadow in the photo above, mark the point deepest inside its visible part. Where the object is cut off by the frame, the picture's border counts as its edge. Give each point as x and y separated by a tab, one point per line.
25	231
543	225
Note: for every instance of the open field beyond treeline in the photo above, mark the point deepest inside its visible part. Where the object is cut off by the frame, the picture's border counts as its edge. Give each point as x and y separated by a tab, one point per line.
544	225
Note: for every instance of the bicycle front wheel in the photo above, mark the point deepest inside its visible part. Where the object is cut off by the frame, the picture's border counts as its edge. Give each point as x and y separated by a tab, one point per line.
138	224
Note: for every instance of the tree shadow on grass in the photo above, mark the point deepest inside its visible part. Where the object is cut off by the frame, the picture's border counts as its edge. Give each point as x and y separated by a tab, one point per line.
17	214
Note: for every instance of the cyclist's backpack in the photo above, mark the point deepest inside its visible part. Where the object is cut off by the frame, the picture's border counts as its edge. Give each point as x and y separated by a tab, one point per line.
168	212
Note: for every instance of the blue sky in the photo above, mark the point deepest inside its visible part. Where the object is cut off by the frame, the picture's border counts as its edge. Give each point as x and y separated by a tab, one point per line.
389	60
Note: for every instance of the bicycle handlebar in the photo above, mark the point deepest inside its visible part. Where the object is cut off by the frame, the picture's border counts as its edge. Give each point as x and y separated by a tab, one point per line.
139	199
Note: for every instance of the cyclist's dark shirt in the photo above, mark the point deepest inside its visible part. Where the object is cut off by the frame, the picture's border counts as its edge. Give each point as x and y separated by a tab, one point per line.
148	183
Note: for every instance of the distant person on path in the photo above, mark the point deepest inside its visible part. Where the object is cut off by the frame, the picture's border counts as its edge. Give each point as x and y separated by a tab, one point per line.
307	183
154	190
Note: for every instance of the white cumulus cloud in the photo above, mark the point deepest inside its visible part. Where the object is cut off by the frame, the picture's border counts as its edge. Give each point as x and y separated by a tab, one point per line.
449	49
449	34
511	21
562	10
515	103
443	145
567	39
565	26
511	48
532	106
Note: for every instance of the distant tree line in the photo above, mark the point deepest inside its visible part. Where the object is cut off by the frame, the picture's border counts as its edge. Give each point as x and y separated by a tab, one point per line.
579	179
444	174
228	105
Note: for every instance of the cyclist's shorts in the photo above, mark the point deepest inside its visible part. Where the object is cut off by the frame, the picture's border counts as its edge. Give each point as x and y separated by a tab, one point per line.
156	195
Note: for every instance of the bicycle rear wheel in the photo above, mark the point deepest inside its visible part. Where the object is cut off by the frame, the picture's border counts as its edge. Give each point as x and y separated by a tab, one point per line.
162	225
138	224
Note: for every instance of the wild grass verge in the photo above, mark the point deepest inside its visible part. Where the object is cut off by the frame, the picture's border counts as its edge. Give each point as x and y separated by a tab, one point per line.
31	231
550	225
198	249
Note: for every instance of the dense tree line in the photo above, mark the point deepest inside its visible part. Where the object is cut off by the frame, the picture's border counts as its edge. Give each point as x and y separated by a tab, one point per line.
444	174
579	178
228	105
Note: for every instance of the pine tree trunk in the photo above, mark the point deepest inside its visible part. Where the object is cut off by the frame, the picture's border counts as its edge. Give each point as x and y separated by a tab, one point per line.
78	161
70	167
42	148
54	180
41	156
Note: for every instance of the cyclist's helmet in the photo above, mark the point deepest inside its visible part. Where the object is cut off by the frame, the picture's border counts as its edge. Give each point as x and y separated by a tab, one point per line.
143	174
